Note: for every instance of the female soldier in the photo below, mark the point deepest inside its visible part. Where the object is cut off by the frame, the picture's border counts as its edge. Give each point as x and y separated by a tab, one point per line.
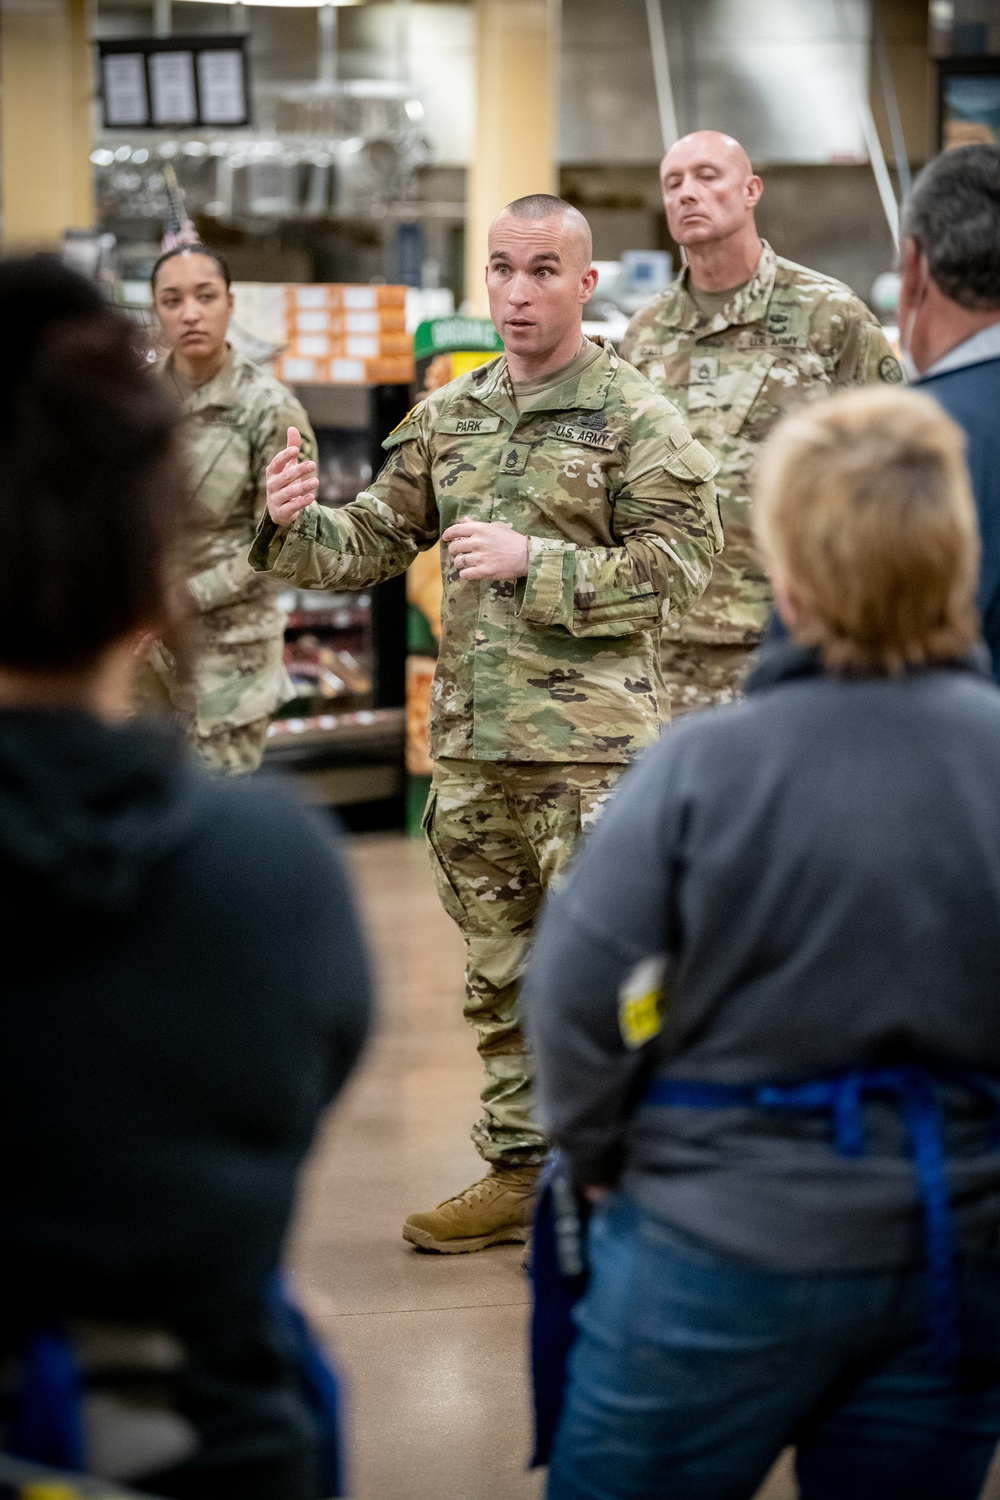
232	675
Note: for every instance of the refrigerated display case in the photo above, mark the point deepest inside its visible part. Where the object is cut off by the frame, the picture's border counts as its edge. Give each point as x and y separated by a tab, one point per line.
344	732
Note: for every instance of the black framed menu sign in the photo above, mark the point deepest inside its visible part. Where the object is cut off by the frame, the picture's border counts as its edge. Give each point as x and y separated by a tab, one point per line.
173	82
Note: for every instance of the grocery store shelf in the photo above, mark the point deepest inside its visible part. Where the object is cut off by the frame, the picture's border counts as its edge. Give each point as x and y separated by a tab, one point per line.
375	730
339	617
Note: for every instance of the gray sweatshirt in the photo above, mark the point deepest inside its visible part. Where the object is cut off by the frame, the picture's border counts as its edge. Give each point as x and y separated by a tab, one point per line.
817	870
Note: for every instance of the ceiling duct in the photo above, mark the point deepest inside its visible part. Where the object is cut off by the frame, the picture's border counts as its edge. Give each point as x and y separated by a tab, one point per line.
782	76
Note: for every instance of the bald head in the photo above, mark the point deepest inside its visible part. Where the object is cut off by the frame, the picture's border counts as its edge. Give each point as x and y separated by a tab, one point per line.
708	145
570	223
710	190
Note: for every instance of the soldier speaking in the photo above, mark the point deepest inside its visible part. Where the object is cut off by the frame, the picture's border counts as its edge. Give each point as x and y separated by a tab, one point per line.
578	517
740	338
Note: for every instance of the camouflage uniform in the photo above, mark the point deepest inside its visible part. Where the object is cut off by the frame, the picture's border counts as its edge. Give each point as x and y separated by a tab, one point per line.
233	675
789	335
545	686
499	833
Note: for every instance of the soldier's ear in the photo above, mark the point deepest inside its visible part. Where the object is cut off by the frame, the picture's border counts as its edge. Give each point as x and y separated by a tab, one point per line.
755	190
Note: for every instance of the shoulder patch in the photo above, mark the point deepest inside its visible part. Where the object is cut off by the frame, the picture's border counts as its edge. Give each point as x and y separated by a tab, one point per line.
890	369
408	418
692	462
406	432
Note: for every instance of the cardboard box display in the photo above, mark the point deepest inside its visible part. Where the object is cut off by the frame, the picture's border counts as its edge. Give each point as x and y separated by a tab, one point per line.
343	297
300	369
329	320
350	346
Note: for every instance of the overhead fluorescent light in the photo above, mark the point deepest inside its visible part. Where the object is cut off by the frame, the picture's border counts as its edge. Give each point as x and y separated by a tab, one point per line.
290	4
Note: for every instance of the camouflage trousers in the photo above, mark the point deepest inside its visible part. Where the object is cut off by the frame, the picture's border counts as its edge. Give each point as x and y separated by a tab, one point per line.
698	675
499	834
226	751
232	752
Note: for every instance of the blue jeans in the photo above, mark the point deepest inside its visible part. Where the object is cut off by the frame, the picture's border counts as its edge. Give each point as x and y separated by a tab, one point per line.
691	1374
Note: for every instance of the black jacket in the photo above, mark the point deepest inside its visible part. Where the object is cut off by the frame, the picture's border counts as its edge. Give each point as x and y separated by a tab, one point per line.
184	990
820	867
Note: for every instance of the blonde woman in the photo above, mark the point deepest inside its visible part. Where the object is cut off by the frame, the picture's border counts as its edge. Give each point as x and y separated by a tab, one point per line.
796	1158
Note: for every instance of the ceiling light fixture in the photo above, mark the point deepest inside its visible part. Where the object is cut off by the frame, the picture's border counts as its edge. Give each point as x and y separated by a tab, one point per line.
289	4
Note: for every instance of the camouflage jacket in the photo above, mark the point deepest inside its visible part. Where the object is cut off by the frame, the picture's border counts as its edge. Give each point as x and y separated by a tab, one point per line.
235	424
788	335
618	505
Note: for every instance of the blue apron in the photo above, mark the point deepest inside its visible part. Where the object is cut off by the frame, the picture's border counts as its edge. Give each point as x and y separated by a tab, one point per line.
914	1087
46	1424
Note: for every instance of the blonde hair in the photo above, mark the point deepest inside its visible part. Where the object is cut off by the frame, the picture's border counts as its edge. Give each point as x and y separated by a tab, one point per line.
863	510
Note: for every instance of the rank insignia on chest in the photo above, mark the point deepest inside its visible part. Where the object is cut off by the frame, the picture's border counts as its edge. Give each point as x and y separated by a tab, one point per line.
704	371
515	458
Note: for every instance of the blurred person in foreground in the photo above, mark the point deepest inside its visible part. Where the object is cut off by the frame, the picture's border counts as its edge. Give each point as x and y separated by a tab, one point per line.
576	515
227	675
766	1007
184	982
949	327
738	340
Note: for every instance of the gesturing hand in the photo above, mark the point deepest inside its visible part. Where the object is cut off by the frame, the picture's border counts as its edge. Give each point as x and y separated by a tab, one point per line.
487	549
291	485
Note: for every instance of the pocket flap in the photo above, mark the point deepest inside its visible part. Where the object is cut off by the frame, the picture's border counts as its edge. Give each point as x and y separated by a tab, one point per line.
748	393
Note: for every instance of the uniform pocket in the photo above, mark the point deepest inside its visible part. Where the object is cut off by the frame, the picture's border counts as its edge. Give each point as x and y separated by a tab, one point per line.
594	799
220	468
748	392
447	892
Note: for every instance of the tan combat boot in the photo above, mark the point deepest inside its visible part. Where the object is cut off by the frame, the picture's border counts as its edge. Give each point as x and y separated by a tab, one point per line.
497	1210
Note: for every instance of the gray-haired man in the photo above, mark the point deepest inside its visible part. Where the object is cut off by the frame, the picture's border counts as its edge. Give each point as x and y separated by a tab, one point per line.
949	325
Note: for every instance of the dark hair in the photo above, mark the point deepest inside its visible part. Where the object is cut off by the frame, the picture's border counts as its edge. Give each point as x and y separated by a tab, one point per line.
195	249
953	214
92	493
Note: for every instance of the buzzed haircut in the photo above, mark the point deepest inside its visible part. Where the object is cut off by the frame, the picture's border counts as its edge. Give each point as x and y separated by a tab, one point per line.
548	206
540	206
953	214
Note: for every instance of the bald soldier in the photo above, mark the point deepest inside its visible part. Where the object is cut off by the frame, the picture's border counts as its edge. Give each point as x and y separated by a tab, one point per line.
740	338
577	517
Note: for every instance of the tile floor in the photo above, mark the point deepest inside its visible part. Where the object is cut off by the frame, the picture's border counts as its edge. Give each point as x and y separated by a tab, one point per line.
432	1347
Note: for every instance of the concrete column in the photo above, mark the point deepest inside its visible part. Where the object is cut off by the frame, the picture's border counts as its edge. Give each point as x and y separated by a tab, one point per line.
517	96
45	100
